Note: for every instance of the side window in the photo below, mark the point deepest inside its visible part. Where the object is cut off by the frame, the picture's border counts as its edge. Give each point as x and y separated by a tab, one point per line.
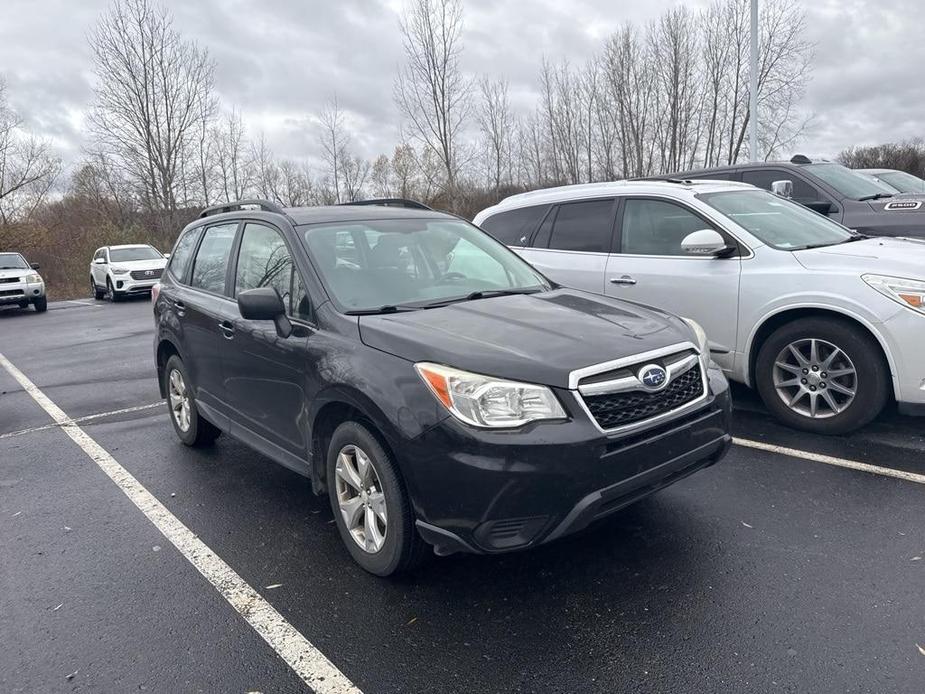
515	227
264	261
656	227
802	191
182	252
212	258
584	226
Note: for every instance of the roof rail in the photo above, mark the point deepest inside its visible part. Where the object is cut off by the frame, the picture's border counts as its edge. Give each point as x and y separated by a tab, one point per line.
391	202
264	205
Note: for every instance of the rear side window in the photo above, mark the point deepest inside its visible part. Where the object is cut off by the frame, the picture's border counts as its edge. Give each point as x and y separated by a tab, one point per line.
584	226
182	253
515	227
802	191
212	258
655	227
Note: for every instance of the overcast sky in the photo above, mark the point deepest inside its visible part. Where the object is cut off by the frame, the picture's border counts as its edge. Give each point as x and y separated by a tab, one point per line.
279	60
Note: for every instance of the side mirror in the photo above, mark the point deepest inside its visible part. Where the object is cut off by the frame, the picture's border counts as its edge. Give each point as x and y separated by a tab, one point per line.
782	188
166	255
265	303
99	261
703	242
34	266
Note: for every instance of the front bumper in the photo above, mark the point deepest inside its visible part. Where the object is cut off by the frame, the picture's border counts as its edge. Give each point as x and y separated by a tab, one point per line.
488	491
21	292
124	284
905	333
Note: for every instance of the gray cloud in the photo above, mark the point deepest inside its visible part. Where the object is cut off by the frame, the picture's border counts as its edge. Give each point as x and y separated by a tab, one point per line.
280	60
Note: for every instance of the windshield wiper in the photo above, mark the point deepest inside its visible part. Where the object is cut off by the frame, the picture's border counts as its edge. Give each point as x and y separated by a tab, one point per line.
377	311
480	294
875	196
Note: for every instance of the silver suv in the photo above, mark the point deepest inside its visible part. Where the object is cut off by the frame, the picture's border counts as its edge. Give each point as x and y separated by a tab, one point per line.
20	284
826	323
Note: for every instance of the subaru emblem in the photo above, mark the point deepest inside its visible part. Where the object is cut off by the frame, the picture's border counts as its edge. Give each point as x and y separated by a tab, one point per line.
653	377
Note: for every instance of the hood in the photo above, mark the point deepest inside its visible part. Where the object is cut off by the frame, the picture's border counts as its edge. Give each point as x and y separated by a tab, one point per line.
882	255
536	338
901	203
18	272
153	264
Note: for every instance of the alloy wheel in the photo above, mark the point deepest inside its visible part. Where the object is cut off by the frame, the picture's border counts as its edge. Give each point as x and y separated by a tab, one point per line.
815	378
179	400
361	499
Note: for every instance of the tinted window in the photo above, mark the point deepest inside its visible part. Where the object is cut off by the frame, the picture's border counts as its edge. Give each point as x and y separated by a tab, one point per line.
264	261
802	191
849	183
584	226
182	252
515	227
212	258
655	227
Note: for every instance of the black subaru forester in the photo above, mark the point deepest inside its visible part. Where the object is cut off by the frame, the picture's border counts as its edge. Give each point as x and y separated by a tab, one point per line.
438	388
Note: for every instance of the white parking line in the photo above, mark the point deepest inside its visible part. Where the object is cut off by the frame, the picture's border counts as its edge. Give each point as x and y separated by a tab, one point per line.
308	662
831	460
85	418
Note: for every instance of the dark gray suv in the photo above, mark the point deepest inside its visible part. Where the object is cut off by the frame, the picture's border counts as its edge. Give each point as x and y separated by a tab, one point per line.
854	200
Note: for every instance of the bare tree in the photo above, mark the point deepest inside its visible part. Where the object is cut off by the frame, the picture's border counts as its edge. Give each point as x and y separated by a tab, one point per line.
153	92
380	177
28	168
233	158
496	123
431	90
335	141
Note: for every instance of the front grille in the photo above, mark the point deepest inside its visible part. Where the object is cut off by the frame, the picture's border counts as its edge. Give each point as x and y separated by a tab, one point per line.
143	274
613	410
11	292
8	280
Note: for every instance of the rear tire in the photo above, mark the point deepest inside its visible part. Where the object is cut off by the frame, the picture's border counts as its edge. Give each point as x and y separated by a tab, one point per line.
41	304
400	548
191	428
846	376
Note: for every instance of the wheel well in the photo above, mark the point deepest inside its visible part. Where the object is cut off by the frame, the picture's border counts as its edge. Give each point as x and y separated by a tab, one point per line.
329	417
165	350
776	321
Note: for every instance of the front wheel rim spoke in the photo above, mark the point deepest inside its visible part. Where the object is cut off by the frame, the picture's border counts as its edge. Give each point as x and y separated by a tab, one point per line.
839	388
347	473
351	509
830	401
361	502
374	537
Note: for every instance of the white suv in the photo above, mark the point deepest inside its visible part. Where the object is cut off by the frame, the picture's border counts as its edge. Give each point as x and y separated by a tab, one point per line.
826	323
118	271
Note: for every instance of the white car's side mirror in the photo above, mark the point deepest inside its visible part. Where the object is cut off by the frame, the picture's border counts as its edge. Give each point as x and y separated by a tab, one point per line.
783	189
167	255
704	242
99	261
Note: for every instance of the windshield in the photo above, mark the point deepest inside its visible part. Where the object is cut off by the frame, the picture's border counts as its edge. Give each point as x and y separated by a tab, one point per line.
127	255
849	183
903	182
413	263
13	261
777	222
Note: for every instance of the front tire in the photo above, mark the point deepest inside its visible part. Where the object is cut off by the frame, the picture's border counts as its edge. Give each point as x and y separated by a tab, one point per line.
41	304
190	426
371	507
822	375
98	292
114	296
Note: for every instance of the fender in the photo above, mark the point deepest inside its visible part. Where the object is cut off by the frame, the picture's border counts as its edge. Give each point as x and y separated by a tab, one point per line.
872	327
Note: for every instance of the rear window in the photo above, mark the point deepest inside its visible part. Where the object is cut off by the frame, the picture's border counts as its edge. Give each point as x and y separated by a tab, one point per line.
513	228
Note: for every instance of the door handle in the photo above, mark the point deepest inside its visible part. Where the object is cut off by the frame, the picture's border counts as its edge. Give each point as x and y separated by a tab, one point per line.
626	279
179	305
227	329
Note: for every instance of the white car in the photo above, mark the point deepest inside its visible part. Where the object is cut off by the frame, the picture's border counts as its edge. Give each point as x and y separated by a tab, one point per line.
20	284
826	323
120	271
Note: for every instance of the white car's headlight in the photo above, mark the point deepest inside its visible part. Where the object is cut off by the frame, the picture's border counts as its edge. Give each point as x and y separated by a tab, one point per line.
33	279
910	293
702	343
119	270
485	401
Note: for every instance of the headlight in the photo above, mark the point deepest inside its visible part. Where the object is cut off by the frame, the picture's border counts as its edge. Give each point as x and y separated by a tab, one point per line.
33	279
119	270
701	334
484	401
910	293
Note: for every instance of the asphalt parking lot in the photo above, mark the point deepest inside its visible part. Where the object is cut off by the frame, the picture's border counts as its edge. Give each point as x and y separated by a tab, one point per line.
771	572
